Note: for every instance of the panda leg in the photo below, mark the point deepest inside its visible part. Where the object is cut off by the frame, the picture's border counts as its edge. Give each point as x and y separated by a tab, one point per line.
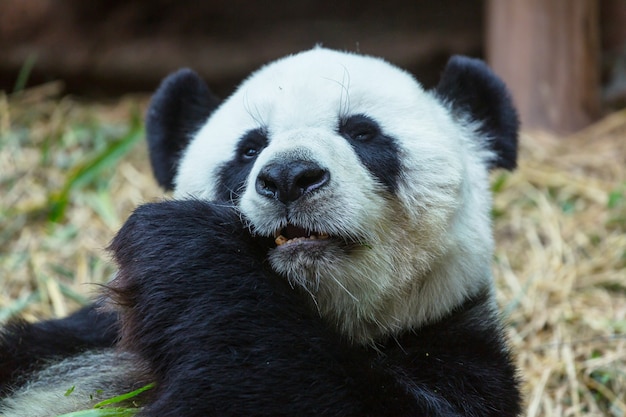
75	383
27	347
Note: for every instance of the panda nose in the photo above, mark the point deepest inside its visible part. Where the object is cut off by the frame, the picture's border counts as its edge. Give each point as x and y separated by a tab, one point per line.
288	181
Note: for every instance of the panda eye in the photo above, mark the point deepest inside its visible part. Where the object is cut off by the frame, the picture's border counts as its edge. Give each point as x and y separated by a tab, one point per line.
251	145
359	128
363	134
250	153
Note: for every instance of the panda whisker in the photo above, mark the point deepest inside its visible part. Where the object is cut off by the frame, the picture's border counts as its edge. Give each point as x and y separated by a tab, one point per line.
344	104
338	282
245	221
235	194
256	115
311	294
344	98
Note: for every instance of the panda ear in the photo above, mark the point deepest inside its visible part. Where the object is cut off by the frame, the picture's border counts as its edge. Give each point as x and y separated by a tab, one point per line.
178	108
470	88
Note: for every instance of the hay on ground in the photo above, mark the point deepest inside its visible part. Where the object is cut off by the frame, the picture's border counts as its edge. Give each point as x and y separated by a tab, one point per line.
560	224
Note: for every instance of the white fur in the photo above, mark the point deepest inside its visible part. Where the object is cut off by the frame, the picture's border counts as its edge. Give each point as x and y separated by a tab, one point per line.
425	249
91	377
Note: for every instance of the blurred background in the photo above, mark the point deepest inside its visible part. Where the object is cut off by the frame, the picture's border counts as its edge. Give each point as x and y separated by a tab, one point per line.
564	60
75	79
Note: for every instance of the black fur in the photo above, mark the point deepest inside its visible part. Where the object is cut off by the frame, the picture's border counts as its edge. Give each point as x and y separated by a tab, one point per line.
233	174
26	347
221	335
378	153
229	338
179	107
183	102
473	90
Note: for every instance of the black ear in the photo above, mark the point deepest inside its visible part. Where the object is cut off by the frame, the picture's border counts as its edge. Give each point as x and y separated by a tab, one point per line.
179	107
473	90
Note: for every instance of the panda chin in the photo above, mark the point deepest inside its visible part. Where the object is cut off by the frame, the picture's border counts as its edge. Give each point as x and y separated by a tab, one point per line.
299	249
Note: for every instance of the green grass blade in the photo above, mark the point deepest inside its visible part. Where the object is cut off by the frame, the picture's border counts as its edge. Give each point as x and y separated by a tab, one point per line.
24	74
88	171
124	397
103	412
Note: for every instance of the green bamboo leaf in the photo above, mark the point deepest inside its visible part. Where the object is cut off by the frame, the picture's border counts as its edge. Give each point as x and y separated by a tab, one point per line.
86	172
124	397
103	412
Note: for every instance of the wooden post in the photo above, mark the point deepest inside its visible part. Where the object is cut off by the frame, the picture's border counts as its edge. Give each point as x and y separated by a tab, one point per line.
547	51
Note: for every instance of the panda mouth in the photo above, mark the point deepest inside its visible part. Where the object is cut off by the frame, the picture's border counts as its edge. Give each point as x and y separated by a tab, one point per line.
296	234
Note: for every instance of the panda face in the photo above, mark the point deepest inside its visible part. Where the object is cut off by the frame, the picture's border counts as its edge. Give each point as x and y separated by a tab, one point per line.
374	189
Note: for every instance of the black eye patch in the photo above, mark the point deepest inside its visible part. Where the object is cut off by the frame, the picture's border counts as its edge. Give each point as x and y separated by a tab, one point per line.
251	145
233	174
377	151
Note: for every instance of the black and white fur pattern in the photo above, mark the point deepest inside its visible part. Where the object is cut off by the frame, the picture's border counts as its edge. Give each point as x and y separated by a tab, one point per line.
377	297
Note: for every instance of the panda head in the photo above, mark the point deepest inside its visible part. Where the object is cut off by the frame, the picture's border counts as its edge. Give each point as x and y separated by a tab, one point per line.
375	189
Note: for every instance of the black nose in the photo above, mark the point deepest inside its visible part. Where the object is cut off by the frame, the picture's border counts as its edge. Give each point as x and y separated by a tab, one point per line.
288	181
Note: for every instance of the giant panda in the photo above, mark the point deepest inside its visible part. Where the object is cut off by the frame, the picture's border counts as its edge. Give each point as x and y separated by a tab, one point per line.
326	252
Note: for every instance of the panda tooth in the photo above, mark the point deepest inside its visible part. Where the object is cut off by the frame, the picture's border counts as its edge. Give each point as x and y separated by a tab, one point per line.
280	239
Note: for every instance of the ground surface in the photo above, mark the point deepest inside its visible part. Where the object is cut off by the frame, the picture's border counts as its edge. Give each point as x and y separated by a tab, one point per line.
71	172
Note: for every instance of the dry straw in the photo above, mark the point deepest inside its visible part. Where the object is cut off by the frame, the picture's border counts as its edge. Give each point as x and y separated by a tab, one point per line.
560	224
561	269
